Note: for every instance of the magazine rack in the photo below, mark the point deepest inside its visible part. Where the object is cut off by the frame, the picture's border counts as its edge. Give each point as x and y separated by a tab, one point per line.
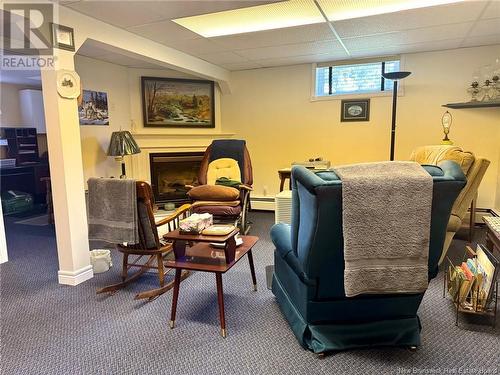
471	303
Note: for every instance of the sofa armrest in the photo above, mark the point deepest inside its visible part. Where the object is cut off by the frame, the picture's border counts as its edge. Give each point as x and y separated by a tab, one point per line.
281	237
453	170
474	177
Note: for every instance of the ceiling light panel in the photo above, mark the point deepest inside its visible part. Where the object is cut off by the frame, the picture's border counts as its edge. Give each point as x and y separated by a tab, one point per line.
294	13
337	10
263	17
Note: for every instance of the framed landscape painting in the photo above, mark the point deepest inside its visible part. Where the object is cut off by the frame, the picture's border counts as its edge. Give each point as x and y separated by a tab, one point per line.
172	102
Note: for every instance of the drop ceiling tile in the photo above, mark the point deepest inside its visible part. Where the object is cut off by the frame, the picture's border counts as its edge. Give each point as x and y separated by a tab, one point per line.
410	19
242	66
377	52
484	40
437	45
290	35
373	41
122	14
222	58
407	48
492	10
486	27
421	35
293	60
182	8
435	33
132	13
288	50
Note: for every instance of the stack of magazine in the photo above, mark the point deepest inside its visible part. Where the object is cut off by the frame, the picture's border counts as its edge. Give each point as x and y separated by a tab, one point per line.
472	284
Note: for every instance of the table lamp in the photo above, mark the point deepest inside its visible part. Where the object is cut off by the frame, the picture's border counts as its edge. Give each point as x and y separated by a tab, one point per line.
122	143
394	76
446	121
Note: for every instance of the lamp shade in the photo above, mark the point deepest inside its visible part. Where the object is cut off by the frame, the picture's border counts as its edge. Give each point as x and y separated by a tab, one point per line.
395	75
122	143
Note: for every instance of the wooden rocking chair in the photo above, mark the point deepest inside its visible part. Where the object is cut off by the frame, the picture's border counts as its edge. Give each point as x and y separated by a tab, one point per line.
149	245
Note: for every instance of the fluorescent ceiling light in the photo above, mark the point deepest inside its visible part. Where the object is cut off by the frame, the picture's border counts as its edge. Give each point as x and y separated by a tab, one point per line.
294	13
345	10
257	18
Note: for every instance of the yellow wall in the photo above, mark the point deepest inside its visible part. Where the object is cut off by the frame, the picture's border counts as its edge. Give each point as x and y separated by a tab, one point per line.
497	202
10	104
98	75
123	86
272	110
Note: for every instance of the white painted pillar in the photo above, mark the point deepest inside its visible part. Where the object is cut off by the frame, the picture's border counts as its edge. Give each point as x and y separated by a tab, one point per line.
66	173
3	242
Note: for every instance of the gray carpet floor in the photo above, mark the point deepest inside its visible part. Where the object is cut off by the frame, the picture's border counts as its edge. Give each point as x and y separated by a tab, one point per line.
47	328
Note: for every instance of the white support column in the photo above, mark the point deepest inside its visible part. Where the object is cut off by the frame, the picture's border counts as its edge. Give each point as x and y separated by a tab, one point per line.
66	173
3	242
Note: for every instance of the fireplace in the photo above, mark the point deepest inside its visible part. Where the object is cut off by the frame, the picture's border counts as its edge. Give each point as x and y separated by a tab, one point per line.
171	172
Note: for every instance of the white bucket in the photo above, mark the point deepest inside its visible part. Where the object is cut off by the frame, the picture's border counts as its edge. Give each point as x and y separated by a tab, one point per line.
100	260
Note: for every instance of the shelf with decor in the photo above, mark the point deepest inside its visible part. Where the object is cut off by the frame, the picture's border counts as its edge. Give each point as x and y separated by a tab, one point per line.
476	104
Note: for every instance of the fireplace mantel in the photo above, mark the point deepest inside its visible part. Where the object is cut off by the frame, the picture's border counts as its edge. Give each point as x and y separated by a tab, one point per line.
167	142
182	135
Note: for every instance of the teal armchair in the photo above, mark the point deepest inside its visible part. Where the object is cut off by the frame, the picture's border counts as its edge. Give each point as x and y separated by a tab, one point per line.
308	280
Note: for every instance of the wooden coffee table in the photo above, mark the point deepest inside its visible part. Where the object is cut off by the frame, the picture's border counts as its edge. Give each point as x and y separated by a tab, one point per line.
201	256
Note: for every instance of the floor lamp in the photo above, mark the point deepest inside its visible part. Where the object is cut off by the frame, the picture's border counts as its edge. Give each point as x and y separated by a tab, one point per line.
394	76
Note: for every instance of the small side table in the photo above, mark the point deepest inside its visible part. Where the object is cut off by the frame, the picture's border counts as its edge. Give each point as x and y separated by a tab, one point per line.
492	234
283	175
206	258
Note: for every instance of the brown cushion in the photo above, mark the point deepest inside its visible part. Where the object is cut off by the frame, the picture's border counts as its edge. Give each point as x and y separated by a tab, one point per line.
214	193
218	210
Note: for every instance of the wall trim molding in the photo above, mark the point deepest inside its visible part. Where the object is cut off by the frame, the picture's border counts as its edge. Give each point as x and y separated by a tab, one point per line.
181	135
75	277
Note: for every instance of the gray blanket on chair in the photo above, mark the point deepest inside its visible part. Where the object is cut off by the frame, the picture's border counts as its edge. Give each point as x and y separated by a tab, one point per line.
386	225
113	210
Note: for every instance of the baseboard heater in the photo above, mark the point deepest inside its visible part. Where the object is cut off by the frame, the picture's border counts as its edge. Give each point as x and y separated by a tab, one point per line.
262	203
281	205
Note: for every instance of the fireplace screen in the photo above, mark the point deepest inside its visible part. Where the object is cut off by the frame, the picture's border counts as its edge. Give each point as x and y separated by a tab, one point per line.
171	172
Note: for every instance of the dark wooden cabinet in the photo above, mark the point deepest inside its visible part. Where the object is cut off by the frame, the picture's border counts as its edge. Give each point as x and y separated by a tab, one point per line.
22	145
27	179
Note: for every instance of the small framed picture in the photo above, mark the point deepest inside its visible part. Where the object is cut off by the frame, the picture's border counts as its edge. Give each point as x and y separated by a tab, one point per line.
63	37
355	110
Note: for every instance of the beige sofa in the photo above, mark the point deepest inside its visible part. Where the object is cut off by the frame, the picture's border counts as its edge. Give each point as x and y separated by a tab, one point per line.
473	168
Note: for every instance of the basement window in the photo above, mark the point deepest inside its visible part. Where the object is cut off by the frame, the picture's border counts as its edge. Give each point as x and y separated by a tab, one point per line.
346	79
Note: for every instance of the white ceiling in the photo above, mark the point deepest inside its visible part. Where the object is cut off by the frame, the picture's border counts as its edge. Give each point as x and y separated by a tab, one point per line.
465	24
